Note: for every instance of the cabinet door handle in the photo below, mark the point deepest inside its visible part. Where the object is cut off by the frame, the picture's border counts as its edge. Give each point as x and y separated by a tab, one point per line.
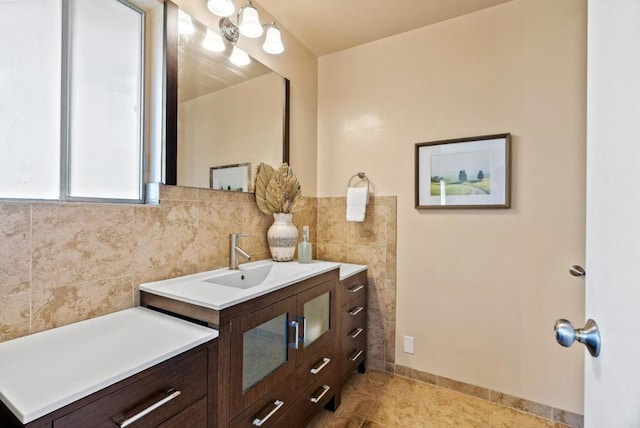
355	332
355	311
355	355
355	288
172	394
296	332
276	406
320	365
316	398
303	339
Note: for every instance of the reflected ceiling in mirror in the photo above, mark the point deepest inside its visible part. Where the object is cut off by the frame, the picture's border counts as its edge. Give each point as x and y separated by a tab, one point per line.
226	114
202	72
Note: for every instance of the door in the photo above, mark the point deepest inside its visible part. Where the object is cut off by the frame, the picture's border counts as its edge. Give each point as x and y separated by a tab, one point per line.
262	352
317	311
612	381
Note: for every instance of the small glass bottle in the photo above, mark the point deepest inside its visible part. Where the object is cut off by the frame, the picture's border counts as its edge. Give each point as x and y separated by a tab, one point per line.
304	247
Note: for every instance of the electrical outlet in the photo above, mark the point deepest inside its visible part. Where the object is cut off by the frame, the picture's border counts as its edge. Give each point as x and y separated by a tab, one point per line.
409	343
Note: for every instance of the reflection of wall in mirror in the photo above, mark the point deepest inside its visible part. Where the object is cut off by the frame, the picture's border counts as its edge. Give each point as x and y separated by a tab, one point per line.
239	124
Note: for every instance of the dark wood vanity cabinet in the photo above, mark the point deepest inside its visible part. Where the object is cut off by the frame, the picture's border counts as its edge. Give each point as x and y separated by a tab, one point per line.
278	359
353	331
180	392
283	354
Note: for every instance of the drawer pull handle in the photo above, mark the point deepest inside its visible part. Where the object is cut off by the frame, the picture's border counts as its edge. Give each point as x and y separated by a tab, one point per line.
172	394
355	355
355	332
276	406
355	311
323	364
317	398
355	288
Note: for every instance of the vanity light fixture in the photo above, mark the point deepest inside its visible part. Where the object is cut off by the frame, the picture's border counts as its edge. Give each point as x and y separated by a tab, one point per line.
247	23
221	7
213	41
239	57
273	40
185	24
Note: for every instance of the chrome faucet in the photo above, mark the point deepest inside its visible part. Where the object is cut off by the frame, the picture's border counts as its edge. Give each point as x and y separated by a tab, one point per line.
234	250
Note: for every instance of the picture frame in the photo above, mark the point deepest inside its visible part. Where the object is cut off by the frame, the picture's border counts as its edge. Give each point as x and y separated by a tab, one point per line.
233	178
471	172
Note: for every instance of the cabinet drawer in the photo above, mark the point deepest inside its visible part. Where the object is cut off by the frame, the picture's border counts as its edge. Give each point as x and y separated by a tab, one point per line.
354	315
267	408
323	361
194	416
311	401
188	375
353	287
353	353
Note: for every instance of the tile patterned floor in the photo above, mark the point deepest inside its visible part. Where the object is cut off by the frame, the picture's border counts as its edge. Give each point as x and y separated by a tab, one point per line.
377	399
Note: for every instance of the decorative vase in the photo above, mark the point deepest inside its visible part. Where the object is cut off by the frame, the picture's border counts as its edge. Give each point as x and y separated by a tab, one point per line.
282	236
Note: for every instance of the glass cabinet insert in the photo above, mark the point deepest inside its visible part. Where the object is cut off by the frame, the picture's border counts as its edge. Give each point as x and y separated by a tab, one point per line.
264	350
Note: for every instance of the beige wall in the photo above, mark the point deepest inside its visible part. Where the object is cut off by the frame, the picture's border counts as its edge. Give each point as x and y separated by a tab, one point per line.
478	289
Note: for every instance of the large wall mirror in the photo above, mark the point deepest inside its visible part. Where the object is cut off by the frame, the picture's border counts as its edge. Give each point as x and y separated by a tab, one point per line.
219	116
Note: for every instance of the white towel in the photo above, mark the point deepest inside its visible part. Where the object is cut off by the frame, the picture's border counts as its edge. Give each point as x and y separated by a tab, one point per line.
357	200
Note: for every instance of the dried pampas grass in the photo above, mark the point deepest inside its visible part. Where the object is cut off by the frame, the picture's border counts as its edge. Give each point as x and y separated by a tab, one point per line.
277	190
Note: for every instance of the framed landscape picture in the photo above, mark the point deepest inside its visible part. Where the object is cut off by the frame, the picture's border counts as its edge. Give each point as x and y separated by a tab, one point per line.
471	172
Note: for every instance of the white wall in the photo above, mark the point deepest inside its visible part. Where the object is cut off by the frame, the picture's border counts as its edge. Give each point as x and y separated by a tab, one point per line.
479	290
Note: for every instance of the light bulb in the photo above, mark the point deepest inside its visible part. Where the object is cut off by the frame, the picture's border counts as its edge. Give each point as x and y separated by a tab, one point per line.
213	41
185	25
250	22
221	7
239	57
273	41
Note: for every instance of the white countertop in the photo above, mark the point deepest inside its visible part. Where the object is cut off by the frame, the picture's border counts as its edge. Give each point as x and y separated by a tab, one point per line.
195	290
45	371
347	270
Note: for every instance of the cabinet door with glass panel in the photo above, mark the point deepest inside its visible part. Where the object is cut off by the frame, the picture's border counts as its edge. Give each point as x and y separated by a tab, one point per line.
316	309
267	345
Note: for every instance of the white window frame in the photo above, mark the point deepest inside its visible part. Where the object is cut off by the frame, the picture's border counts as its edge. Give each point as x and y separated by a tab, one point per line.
66	56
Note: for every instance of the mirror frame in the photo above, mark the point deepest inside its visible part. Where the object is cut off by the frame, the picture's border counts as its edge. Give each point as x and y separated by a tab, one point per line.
170	158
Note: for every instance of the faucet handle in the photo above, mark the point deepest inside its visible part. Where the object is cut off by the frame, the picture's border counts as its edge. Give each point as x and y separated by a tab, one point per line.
239	235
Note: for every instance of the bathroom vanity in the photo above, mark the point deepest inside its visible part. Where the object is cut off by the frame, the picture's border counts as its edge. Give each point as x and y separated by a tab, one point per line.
286	336
135	367
280	344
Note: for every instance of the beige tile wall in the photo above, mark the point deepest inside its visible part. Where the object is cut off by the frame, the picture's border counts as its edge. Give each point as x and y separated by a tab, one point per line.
62	263
371	243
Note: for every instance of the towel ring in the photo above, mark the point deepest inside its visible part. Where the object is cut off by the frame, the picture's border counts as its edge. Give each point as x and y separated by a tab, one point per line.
361	176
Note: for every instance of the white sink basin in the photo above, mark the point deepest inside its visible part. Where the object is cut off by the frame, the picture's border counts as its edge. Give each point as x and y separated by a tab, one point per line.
221	288
243	277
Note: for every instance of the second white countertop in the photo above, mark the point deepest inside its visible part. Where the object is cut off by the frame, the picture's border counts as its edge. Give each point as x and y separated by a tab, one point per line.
45	371
348	269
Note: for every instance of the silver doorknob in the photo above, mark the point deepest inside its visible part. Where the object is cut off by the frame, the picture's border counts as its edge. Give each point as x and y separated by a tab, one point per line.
589	335
577	270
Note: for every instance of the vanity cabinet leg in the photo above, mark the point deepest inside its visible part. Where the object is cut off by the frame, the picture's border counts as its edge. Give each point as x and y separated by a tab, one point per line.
334	403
